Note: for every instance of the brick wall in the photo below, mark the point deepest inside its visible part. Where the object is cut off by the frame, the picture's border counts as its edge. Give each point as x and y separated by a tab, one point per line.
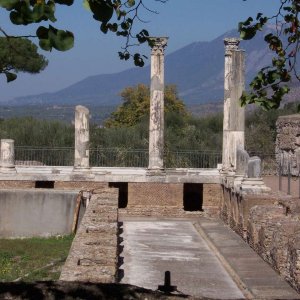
14	184
155	194
172	199
79	185
212	195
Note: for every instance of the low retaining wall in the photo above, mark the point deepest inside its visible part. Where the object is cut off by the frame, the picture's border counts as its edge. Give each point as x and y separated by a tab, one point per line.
33	212
93	256
270	223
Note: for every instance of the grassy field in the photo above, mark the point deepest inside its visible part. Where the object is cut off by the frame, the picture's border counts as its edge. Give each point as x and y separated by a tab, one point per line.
33	259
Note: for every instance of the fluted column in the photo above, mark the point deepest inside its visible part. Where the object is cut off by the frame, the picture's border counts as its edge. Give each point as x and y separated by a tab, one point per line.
234	114
156	125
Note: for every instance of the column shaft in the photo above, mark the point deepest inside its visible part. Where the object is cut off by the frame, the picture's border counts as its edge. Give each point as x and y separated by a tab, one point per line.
156	124
234	114
7	155
82	137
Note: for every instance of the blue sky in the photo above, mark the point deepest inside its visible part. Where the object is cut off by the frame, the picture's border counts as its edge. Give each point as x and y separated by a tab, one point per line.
184	21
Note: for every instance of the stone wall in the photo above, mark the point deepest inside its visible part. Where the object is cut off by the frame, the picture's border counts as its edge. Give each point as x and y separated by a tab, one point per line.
288	142
271	226
93	256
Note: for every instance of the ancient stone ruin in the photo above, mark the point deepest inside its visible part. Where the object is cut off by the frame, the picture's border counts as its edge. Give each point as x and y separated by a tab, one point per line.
287	147
235	192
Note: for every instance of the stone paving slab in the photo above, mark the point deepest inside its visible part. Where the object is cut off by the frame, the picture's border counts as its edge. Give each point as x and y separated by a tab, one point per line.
153	247
251	270
204	256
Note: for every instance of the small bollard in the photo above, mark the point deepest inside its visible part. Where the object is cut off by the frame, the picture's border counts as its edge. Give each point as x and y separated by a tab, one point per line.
167	287
289	176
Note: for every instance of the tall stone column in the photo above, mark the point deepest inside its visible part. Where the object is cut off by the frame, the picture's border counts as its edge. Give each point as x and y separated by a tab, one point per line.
82	138
156	125
7	156
234	114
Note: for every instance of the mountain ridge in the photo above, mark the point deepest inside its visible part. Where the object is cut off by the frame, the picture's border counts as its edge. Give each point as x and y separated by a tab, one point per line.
197	70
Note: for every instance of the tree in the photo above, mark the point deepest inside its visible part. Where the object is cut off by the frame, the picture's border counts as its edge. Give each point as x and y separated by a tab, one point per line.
119	17
136	105
116	16
19	55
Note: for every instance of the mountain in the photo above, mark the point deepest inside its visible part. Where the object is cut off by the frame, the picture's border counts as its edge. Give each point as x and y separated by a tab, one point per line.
197	70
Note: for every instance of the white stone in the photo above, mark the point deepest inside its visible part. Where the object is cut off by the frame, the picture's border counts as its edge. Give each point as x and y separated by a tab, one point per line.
82	138
156	122
234	114
7	156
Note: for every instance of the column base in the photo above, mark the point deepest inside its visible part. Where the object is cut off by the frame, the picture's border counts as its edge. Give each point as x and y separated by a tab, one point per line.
11	170
156	172
81	169
254	186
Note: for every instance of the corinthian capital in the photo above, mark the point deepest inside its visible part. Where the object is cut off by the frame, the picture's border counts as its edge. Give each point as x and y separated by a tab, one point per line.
158	45
231	44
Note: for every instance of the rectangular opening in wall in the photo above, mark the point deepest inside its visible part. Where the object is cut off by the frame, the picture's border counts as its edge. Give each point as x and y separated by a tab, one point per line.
44	184
193	196
123	193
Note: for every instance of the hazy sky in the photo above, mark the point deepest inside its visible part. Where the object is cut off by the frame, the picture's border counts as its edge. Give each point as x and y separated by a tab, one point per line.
184	21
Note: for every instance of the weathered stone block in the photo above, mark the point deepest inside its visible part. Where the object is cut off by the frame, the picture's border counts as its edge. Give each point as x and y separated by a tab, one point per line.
254	167
242	158
288	142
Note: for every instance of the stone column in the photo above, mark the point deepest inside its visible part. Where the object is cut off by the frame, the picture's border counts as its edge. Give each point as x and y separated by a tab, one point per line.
7	156
156	125
234	114
82	138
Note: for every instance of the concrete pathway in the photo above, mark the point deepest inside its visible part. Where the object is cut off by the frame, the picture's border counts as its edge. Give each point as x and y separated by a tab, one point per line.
205	258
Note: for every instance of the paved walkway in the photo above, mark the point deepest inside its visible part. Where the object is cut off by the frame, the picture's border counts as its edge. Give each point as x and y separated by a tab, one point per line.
205	258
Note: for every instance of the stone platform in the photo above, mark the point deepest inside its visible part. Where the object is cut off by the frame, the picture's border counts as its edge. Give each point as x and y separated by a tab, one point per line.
47	173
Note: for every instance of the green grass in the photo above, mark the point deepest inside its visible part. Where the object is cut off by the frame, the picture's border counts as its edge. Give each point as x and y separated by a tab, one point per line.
28	258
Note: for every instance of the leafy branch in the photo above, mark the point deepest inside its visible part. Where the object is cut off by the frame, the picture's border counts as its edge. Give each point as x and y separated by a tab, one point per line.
116	16
270	85
120	17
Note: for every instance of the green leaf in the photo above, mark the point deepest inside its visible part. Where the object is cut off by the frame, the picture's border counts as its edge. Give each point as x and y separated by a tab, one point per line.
86	5
10	76
102	11
64	2
60	39
130	3
51	37
8	4
45	44
42	32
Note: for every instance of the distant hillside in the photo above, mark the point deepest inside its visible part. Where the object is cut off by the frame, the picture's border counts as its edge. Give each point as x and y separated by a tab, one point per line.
196	69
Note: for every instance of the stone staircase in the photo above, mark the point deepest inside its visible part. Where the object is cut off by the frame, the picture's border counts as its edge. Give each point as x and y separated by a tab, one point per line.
93	256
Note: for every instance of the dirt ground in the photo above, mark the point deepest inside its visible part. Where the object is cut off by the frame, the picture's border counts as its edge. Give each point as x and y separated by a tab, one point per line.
273	183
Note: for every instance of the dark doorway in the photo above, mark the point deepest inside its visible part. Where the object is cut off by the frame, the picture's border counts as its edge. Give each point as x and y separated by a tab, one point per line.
123	193
44	184
193	196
